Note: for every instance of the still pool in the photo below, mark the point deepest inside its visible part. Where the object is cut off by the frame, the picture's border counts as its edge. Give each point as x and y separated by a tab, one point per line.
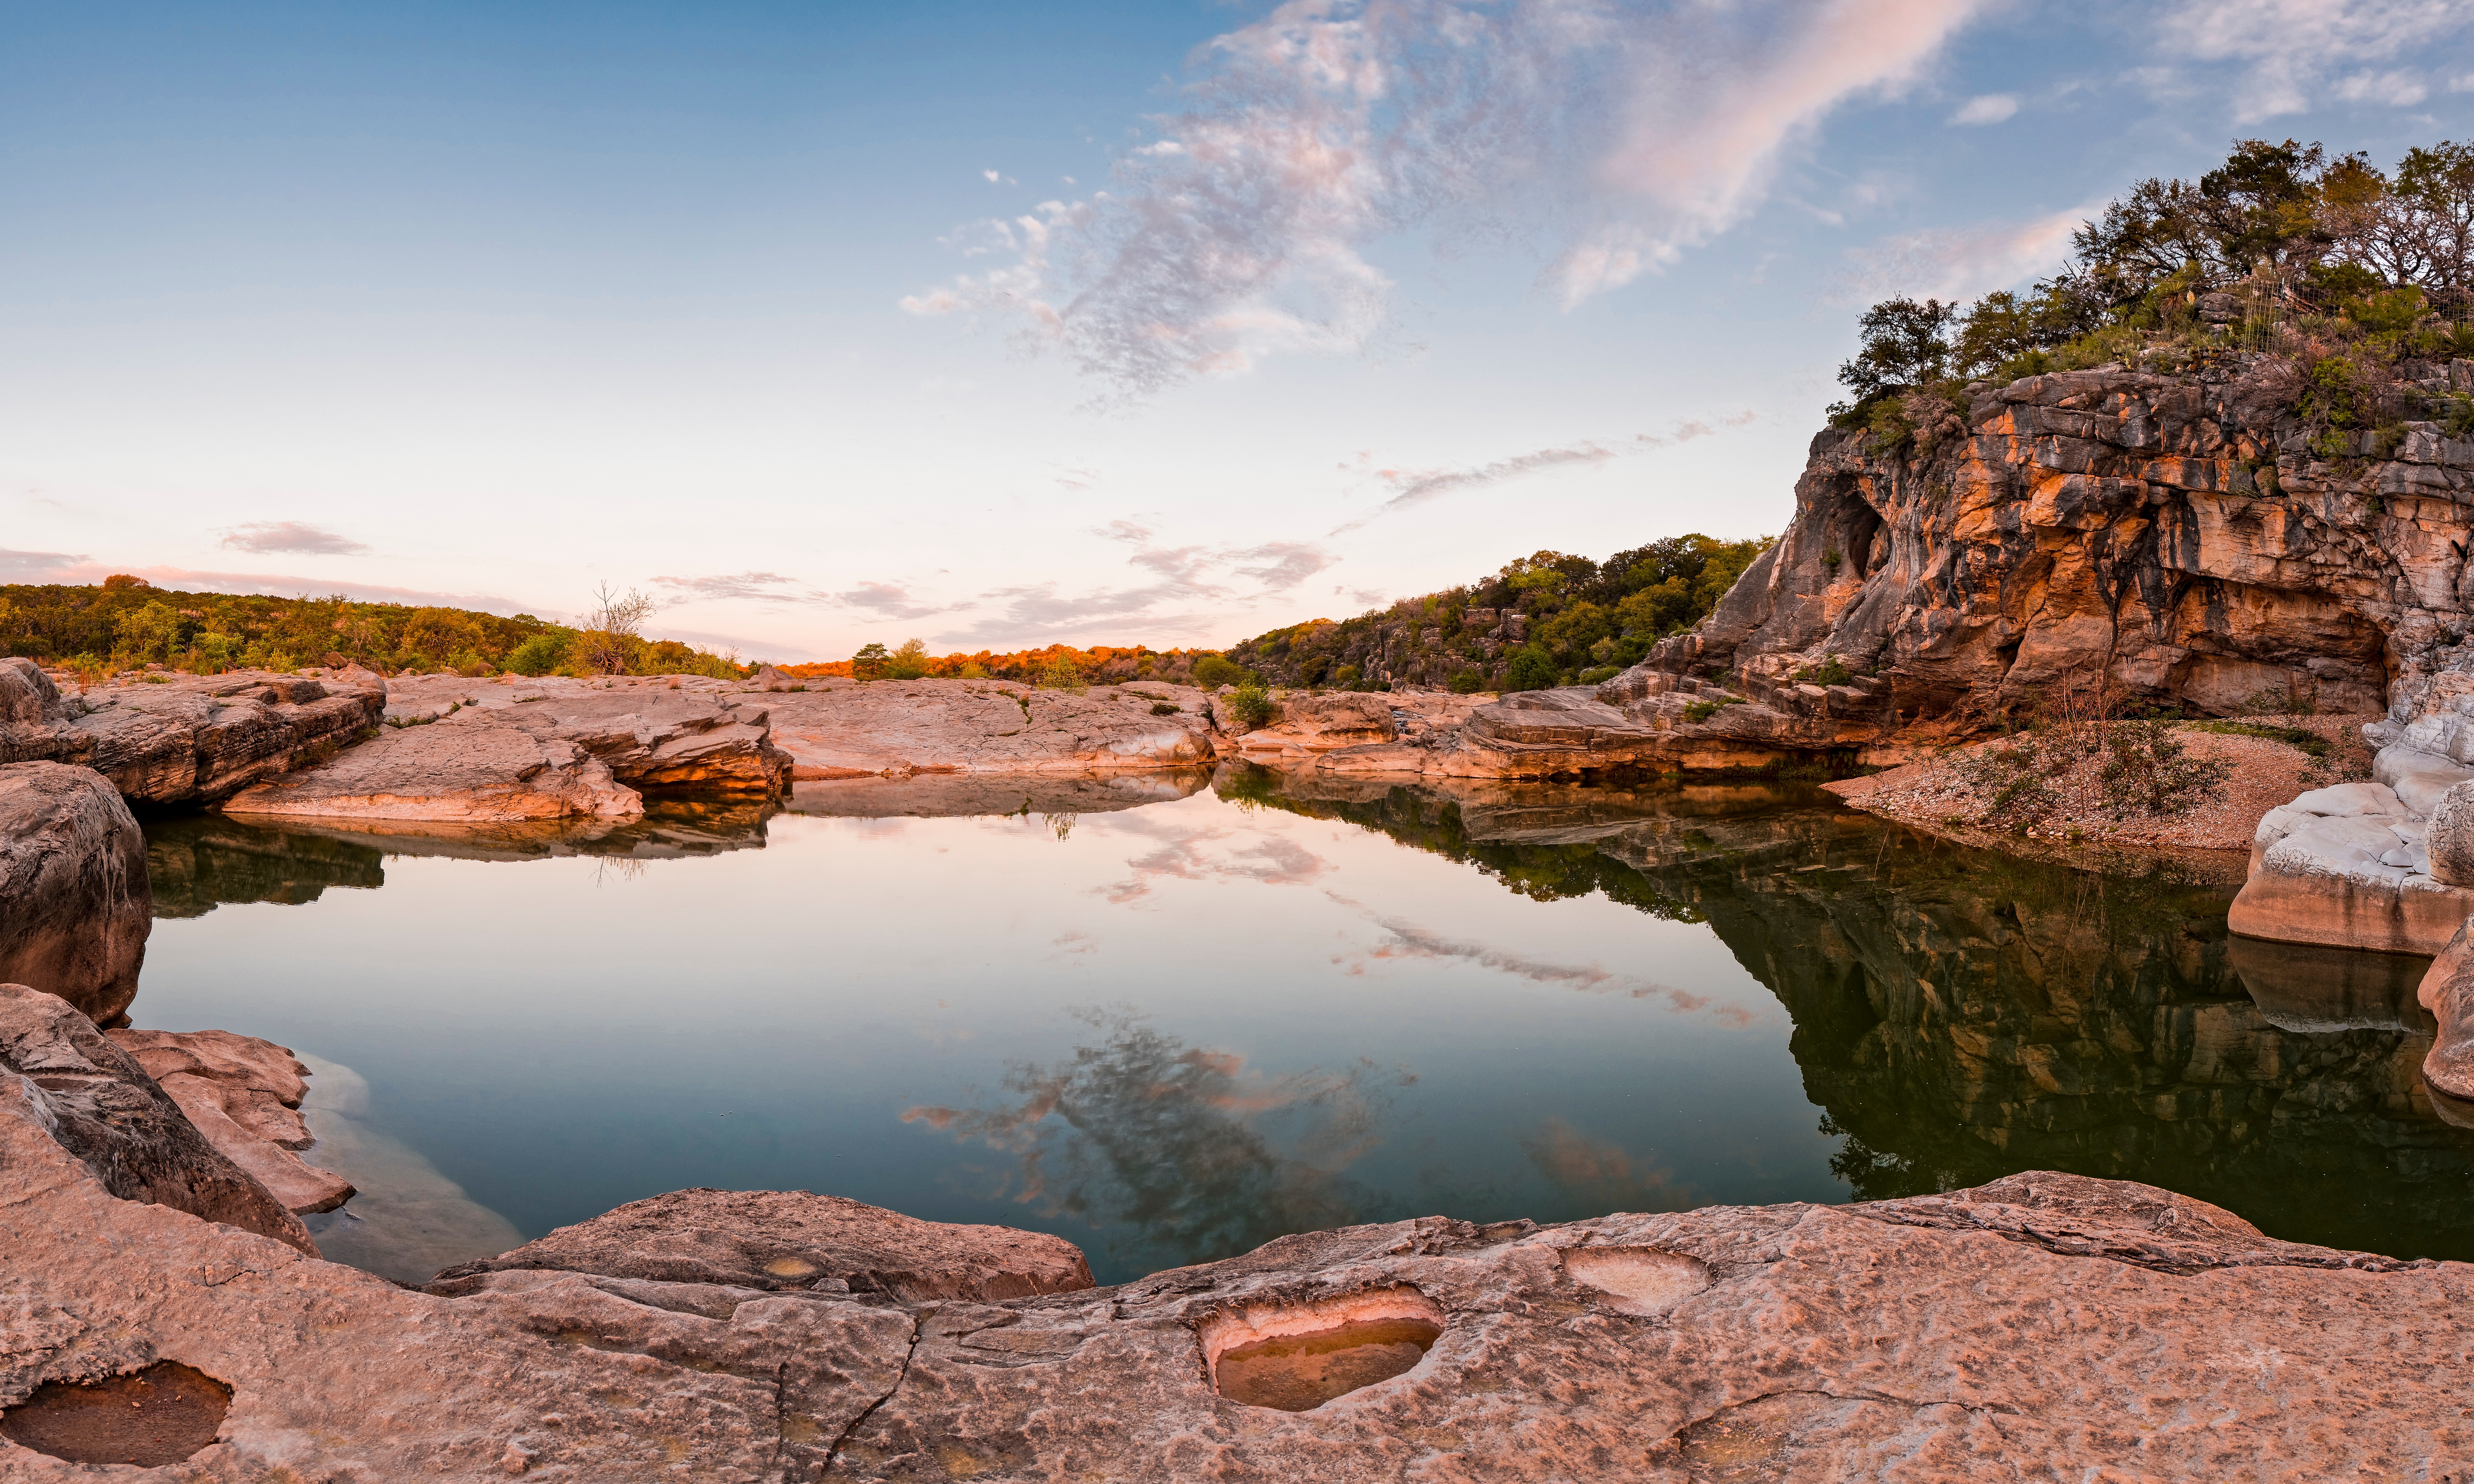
1172	1019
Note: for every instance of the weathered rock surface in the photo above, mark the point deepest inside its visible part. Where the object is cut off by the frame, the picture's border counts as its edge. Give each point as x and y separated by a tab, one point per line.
244	1094
479	768
894	728
696	736
949	795
2447	991
96	1105
187	738
75	907
2102	522
2347	866
1309	724
2042	1326
770	1241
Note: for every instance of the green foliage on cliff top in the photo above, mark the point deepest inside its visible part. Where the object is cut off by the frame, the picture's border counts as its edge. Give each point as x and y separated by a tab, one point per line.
1558	615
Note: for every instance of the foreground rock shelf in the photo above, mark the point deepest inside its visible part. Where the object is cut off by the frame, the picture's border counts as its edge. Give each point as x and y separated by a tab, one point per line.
2040	1326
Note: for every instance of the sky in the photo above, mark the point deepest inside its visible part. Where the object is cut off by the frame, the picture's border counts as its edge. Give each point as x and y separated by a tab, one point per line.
1005	325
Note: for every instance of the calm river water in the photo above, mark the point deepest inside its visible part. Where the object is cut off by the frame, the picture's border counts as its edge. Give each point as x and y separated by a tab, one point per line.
1172	1019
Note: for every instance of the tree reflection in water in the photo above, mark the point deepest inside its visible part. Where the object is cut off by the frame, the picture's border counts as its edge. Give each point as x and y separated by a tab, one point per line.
1961	1014
1177	1154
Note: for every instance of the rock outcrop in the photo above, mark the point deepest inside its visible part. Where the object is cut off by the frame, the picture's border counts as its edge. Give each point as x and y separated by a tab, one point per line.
481	769
94	1105
244	1094
75	907
2176	534
186	738
778	1240
894	728
2038	1326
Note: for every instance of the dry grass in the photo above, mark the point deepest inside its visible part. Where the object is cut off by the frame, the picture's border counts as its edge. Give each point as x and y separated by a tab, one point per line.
2265	774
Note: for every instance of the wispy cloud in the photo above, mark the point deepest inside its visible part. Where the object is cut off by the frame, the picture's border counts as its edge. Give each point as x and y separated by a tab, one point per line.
2291	50
1280	565
743	585
1991	109
270	538
286	584
1412	487
1239	230
888	600
1964	261
37	566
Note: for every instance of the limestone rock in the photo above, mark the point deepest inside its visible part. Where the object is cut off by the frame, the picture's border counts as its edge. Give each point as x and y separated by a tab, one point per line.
2449	836
654	738
99	1106
475	767
783	1240
894	729
74	906
244	1094
199	738
1308	725
2349	866
2447	991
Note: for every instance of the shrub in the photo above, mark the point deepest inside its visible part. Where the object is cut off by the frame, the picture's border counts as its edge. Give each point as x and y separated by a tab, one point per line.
1165	708
1251	706
2150	771
909	662
1348	677
539	655
1532	669
1467	682
1599	675
1831	671
2012	781
2302	737
1060	673
1703	710
1213	671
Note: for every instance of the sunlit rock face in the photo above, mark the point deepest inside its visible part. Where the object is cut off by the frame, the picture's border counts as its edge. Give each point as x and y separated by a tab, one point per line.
1961	1014
75	908
186	738
2083	523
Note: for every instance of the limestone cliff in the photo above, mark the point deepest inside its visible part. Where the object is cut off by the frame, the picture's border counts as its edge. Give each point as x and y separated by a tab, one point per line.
2189	536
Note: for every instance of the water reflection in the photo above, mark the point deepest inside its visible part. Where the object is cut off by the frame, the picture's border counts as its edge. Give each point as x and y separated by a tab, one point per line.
1171	1150
1962	1014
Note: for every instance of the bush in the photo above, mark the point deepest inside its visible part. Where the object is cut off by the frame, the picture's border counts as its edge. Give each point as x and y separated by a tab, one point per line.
1703	710
2012	781
1213	671
1532	669
1251	707
909	662
539	655
1599	675
1165	708
1467	682
2150	771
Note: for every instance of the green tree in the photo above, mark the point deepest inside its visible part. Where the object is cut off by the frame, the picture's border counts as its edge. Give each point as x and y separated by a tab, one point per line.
1213	671
1532	669
869	663
149	633
542	653
1251	706
908	660
1906	345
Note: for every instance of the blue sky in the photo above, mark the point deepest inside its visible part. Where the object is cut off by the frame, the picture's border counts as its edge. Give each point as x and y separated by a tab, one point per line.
1000	325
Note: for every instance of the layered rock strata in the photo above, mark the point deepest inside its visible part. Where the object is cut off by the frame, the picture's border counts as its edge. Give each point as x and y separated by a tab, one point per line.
74	905
186	738
894	729
93	1108
2178	535
244	1094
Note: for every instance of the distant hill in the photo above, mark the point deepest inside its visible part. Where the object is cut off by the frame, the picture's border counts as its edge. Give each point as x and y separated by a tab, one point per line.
1547	619
126	623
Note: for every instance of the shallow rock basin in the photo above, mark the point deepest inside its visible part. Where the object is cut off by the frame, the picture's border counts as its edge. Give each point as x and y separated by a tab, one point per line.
1296	1358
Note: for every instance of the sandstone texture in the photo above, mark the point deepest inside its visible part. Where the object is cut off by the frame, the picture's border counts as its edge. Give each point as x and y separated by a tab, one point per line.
511	750
950	795
98	1108
74	906
2108	522
793	1240
186	738
244	1094
894	728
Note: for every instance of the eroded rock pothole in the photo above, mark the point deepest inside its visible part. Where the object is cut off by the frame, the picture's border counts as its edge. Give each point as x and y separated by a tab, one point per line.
1294	1358
1637	1280
159	1415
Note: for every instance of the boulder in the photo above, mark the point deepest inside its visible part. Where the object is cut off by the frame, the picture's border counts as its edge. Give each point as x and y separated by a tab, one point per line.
2348	866
244	1094
96	1104
1308	725
197	738
474	767
773	1240
2447	991
654	737
74	906
2449	836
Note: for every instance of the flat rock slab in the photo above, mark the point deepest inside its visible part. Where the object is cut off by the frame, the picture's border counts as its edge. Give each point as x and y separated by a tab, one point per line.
777	1239
656	733
894	728
475	767
199	738
244	1094
75	904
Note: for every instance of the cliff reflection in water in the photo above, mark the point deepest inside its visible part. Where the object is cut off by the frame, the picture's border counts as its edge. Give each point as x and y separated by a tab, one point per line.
1962	1014
197	862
